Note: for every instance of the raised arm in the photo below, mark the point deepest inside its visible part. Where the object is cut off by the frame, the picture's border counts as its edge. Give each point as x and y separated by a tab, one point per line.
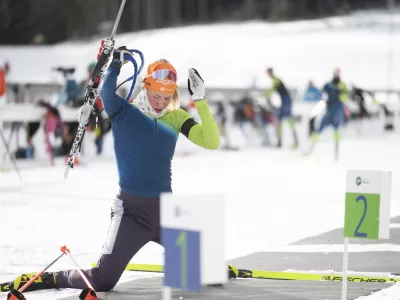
113	104
206	134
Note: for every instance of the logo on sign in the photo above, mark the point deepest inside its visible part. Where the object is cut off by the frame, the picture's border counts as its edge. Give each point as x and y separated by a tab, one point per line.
360	181
178	211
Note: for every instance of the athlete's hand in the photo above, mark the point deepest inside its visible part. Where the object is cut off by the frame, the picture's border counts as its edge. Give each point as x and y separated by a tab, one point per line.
196	85
120	52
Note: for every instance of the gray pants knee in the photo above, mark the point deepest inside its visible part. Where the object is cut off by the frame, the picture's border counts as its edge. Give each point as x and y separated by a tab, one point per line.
134	222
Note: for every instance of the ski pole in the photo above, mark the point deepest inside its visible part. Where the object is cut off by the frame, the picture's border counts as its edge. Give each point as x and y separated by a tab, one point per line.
26	285
114	30
17	294
107	47
67	252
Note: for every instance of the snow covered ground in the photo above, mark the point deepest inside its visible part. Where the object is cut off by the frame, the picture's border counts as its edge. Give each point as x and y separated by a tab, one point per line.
274	197
392	293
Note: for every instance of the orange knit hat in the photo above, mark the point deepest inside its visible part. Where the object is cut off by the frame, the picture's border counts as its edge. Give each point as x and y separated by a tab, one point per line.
161	77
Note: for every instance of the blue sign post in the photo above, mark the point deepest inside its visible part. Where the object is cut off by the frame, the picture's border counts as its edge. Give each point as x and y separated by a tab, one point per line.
194	242
182	259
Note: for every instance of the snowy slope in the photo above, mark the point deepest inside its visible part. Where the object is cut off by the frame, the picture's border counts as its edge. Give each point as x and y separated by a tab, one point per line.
236	55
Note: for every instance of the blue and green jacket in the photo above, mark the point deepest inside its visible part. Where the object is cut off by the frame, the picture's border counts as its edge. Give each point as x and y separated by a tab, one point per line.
280	88
337	95
144	146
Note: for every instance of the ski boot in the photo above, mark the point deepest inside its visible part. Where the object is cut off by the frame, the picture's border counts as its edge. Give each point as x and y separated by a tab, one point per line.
233	272
44	281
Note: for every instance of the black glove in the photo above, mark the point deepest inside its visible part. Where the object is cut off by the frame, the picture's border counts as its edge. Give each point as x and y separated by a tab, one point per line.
119	54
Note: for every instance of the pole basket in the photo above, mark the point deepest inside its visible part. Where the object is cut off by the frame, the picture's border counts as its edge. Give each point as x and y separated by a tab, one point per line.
88	294
15	295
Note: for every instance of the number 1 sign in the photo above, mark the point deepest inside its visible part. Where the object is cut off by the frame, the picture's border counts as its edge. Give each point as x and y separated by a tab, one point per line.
193	236
182	259
367	210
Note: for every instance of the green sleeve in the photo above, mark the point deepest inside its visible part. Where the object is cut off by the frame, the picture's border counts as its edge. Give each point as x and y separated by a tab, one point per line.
275	84
206	134
344	93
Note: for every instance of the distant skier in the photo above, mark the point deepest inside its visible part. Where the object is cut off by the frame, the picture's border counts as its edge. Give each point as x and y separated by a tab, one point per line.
285	111
244	113
389	126
221	118
312	94
358	95
53	124
337	94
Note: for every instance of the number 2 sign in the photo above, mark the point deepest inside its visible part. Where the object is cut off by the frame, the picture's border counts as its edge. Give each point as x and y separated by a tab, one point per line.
367	210
367	205
362	216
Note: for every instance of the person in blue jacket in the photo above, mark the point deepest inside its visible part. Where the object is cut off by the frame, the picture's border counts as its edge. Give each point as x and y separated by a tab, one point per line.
312	93
337	94
145	135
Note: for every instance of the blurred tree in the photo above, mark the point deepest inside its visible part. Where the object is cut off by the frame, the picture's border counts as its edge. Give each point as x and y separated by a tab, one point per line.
175	15
16	22
52	21
56	20
135	7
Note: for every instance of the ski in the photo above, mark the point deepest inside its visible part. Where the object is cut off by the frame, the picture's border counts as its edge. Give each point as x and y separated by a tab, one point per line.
92	90
259	274
282	275
253	274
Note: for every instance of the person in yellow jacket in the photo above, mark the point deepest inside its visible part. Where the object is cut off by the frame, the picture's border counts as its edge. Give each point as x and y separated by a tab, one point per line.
285	110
